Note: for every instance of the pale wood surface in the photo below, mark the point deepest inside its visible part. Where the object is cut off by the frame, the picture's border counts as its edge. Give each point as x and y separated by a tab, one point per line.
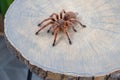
95	50
46	75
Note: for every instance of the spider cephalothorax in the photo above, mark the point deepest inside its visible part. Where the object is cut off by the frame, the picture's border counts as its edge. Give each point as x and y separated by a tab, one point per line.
61	22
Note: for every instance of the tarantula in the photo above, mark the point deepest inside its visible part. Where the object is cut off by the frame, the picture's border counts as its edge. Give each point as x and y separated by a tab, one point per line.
61	22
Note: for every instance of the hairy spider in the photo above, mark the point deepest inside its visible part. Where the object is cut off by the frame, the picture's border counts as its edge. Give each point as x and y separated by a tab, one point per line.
61	22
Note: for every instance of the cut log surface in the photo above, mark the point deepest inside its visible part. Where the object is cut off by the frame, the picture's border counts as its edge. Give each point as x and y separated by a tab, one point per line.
95	50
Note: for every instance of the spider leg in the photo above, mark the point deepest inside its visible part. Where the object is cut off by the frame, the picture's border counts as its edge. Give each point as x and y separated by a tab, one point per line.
46	20
53	32
43	27
72	25
56	15
74	29
61	13
56	33
68	37
78	22
52	27
49	29
65	30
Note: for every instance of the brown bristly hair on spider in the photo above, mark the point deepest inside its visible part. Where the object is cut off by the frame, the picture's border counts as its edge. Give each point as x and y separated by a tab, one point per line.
60	22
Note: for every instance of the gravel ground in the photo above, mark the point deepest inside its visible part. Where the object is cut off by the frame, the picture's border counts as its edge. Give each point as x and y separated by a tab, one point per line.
10	67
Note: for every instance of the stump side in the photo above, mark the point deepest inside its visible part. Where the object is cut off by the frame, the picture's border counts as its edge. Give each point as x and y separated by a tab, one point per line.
48	75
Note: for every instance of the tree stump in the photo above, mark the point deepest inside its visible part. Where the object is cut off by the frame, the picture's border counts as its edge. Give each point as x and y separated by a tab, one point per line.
95	50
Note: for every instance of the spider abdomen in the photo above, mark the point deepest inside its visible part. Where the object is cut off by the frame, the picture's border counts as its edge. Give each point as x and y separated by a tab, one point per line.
69	15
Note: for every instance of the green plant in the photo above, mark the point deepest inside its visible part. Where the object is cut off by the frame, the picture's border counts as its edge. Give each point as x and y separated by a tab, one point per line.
4	4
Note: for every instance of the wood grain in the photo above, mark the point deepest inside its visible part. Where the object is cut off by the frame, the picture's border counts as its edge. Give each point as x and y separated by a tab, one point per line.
47	75
95	49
